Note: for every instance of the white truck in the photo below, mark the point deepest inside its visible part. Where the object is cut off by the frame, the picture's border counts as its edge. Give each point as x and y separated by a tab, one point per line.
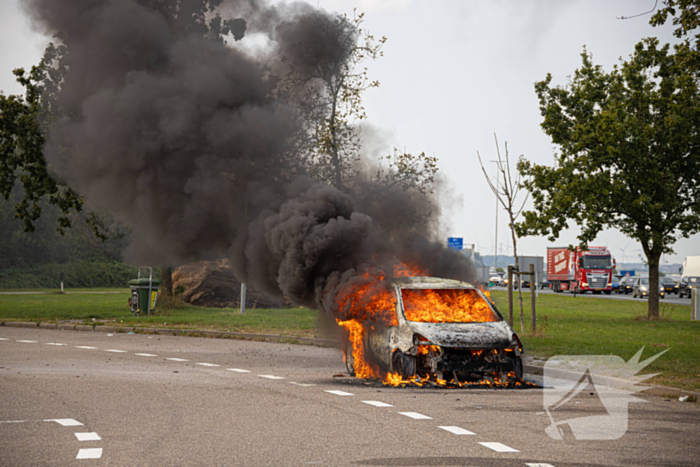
690	277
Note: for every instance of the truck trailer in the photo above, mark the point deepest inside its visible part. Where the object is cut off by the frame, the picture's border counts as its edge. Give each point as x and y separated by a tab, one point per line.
579	270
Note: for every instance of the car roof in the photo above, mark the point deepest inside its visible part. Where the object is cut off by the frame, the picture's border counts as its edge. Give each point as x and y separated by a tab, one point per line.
430	283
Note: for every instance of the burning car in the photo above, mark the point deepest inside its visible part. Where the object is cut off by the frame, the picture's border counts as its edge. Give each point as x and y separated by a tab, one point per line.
444	330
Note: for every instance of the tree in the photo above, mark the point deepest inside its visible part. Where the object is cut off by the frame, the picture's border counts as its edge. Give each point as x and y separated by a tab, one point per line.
629	155
507	190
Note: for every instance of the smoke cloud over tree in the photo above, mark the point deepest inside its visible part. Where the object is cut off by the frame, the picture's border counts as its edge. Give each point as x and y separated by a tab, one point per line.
162	118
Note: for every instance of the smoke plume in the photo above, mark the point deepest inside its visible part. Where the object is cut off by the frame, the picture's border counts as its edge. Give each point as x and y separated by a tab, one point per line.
180	134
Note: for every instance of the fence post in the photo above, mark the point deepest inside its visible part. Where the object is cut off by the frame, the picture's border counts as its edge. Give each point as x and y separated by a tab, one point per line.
243	290
510	295
533	283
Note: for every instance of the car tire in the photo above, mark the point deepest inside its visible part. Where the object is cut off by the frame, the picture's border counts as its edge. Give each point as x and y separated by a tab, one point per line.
518	367
349	359
404	365
607	292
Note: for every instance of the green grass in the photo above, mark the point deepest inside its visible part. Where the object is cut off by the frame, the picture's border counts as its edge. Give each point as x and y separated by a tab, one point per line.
112	309
594	326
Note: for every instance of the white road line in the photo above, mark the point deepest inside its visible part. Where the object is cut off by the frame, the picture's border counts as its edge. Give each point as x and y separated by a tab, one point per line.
115	351
238	370
65	421
4	339
27	342
177	359
85	347
498	447
92	453
55	343
271	377
15	421
92	436
340	393
145	355
378	404
207	364
416	415
456	430
303	385
539	465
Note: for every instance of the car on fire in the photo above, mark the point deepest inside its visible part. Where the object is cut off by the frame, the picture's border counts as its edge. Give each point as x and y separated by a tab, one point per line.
445	329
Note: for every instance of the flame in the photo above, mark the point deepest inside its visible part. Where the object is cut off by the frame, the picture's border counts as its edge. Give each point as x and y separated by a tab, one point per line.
446	306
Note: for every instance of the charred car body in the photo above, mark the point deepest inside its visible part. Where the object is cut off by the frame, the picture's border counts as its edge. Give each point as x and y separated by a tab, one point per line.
444	328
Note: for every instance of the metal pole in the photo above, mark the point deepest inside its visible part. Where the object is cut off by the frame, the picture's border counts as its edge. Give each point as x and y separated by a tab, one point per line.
532	296
495	260
510	295
243	290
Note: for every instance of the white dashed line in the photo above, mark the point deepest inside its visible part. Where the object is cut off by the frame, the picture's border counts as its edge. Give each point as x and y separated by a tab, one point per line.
115	351
303	385
92	436
539	465
340	393
14	421
27	342
145	355
378	404
85	347
271	377
4	339
207	364
416	416
177	359
65	421
456	430
238	370
92	453
498	447
55	343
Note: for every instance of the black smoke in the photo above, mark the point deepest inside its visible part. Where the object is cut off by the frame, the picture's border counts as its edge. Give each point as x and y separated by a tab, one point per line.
183	136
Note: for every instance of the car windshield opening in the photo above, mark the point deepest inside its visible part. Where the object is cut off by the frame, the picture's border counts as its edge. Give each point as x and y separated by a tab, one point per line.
446	306
597	262
645	281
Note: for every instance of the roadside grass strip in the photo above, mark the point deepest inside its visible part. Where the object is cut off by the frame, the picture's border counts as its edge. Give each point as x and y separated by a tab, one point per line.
340	393
145	355
173	359
238	370
27	342
416	415
457	430
91	453
92	436
378	404
498	447
271	377
115	351
65	421
207	364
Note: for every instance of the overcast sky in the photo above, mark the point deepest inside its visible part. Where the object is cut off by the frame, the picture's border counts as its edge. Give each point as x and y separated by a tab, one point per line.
453	73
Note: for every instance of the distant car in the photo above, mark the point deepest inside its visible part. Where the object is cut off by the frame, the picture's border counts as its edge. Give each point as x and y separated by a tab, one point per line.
669	285
641	288
685	285
616	283
546	284
497	280
626	285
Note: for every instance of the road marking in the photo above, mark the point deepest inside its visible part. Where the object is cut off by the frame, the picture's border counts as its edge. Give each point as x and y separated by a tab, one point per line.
416	415
207	364
92	453
304	385
271	377
456	430
55	343
177	359
15	421
115	351
498	447
539	465
27	342
4	339
378	404
92	436
65	421
145	355
238	370
340	393
85	347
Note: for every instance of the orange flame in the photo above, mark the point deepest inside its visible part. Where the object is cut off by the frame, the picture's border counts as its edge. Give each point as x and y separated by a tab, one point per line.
446	306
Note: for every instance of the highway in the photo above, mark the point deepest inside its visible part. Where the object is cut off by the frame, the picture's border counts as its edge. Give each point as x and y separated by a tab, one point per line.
672	298
92	398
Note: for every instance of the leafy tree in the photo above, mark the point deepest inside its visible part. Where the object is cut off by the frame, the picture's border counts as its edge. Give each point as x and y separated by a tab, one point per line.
629	154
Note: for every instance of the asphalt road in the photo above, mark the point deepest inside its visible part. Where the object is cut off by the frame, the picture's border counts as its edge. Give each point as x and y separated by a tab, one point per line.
613	296
139	400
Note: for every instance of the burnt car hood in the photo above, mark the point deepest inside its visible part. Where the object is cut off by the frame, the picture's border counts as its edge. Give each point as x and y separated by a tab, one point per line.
465	335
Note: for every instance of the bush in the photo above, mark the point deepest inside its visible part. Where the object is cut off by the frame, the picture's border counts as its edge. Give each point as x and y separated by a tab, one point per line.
73	274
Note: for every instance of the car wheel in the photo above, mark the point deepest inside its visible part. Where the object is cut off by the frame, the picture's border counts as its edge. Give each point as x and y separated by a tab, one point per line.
518	368
404	365
349	359
607	292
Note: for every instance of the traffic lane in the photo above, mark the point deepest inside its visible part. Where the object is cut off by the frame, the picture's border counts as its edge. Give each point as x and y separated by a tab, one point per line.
673	299
190	392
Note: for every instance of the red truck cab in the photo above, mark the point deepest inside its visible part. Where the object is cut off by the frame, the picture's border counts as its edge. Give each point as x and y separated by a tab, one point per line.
580	271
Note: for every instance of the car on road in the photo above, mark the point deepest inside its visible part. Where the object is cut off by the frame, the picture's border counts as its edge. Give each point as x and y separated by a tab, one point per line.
496	280
445	329
669	285
685	285
626	285
616	283
641	288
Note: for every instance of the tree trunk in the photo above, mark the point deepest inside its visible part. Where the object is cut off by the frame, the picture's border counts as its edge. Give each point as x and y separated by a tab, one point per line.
653	260
517	267
166	285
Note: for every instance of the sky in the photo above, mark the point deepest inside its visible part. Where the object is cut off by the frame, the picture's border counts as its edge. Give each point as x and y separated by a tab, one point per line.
454	72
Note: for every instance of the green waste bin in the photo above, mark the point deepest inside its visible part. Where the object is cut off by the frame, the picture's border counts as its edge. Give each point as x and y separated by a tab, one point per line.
144	293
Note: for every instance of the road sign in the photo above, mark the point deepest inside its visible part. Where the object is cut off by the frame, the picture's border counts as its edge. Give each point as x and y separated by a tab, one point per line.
455	243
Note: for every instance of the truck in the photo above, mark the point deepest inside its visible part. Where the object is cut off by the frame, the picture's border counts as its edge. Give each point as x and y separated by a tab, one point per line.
524	263
690	276
580	270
